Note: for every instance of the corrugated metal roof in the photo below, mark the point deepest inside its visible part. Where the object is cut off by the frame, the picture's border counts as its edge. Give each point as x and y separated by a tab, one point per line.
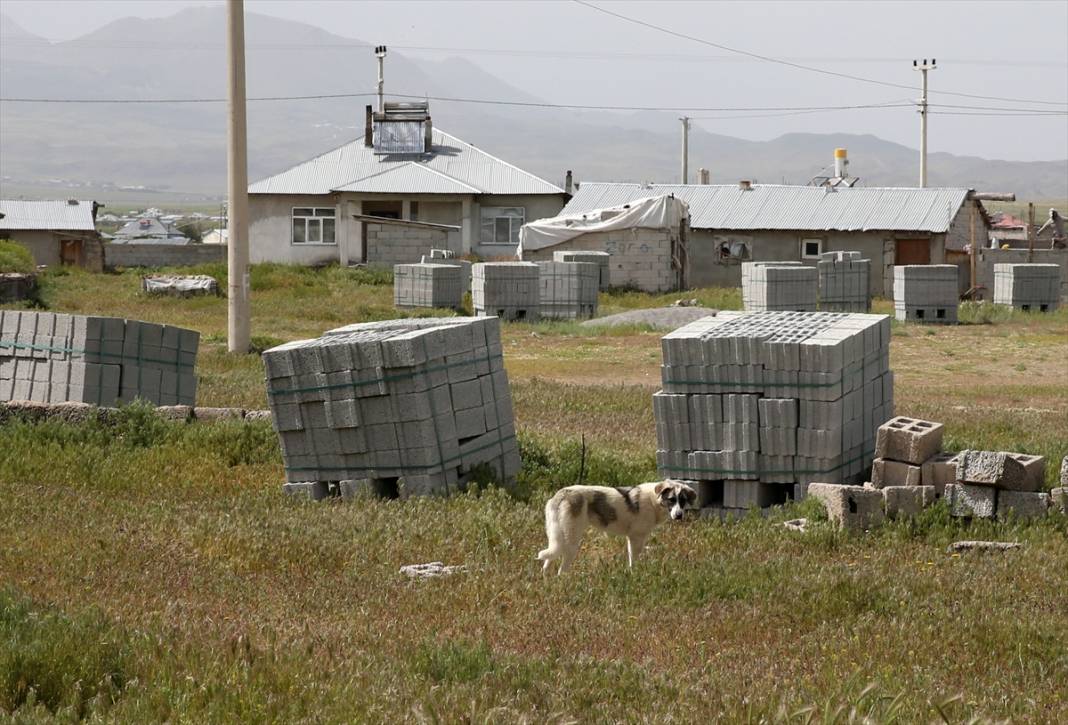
47	215
769	206
459	161
402	179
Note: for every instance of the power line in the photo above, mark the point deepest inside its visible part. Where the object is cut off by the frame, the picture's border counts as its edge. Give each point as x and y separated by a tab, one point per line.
799	66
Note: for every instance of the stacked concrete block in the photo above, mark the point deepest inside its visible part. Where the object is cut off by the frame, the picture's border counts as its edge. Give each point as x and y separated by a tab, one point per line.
53	357
845	282
598	258
413	406
989	482
939	471
926	293
568	290
747	288
1034	287
508	290
902	446
779	399
463	264
780	287
427	285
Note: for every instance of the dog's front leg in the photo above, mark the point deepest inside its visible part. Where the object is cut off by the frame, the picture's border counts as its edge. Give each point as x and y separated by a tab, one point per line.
635	544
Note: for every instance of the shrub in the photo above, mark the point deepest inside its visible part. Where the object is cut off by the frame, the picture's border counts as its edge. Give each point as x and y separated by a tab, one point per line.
15	258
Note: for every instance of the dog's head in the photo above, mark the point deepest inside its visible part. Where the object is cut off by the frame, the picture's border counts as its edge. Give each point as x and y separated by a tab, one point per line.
676	497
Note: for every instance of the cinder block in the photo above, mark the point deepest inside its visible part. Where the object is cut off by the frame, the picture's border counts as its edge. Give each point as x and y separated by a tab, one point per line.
908	439
851	507
886	473
1064	471
1035	468
1022	505
994	468
313	490
970	501
907	500
1059	500
939	471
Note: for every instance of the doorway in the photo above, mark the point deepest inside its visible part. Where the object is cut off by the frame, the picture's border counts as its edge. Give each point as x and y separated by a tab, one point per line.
912	251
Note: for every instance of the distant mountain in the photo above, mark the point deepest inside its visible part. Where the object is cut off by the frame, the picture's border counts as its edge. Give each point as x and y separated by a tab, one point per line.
181	146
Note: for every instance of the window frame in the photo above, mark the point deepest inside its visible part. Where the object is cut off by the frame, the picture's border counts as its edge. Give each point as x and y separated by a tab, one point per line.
490	216
315	215
819	248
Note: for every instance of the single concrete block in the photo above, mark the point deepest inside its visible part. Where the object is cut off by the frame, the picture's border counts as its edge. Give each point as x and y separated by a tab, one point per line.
851	507
994	468
313	490
1022	505
1035	467
1059	500
894	473
908	439
1064	472
939	471
904	501
968	501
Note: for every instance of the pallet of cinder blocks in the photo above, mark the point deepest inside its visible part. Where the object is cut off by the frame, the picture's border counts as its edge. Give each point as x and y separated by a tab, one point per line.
755	406
598	258
845	282
775	286
1034	287
568	290
398	408
926	293
54	357
427	285
508	290
448	256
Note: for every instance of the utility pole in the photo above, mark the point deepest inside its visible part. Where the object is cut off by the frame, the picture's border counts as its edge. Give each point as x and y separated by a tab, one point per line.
237	286
685	149
923	68
1030	232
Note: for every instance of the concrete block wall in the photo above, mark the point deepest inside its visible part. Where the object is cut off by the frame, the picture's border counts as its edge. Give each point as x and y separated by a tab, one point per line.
601	259
638	258
568	290
162	255
463	264
428	285
926	293
780	399
509	290
54	357
417	406
984	266
784	288
1035	287
845	282
399	242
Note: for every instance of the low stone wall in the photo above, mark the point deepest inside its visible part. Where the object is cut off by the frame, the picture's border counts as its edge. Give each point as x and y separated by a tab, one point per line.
984	268
639	258
391	242
162	255
80	412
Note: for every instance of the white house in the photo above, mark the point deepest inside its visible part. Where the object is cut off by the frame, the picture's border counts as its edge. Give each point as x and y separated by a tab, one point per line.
402	169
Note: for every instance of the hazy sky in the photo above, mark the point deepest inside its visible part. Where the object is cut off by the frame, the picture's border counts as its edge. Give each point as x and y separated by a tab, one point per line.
566	53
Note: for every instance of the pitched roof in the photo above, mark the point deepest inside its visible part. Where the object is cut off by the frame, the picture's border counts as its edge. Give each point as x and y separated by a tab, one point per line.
58	215
771	206
454	166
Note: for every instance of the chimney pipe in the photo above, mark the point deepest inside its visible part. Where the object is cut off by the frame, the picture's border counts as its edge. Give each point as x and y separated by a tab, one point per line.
369	128
745	185
568	182
702	176
841	163
380	53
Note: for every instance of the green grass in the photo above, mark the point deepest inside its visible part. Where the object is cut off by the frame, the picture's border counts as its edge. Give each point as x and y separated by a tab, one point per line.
15	258
152	571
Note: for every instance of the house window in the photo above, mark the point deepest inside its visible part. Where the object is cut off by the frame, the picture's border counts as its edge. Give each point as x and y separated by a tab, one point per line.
313	225
811	248
500	224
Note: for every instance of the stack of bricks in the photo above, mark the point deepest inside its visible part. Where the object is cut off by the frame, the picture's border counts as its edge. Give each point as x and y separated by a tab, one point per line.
398	408
755	406
904	449
427	285
568	290
448	256
768	287
845	282
989	483
598	258
53	357
508	290
1034	287
926	293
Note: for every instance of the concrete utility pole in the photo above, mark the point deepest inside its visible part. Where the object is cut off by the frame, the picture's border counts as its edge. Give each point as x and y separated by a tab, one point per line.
685	149
237	287
923	68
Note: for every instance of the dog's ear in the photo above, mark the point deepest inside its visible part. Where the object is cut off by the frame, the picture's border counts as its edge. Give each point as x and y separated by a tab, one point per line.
660	487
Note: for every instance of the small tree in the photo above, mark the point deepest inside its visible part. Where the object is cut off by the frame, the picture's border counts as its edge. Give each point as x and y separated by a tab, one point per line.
192	231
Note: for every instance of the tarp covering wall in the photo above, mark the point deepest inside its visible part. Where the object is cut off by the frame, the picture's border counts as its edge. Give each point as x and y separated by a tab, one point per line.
654	212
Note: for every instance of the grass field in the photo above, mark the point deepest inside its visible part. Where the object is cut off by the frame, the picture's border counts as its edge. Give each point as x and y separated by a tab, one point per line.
151	571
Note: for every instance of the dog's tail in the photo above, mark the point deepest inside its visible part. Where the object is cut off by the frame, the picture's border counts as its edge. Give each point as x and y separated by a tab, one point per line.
553	529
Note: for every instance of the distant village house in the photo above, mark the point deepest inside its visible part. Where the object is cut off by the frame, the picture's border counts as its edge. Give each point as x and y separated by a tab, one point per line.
61	232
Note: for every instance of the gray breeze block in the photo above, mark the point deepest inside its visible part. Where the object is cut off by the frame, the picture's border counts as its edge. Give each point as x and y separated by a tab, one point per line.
851	507
995	468
909	440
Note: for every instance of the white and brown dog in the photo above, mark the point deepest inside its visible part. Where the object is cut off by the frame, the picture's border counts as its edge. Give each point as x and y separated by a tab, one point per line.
630	512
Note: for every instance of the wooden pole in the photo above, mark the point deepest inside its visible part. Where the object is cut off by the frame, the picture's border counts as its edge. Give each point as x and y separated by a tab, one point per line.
974	251
1030	232
238	326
